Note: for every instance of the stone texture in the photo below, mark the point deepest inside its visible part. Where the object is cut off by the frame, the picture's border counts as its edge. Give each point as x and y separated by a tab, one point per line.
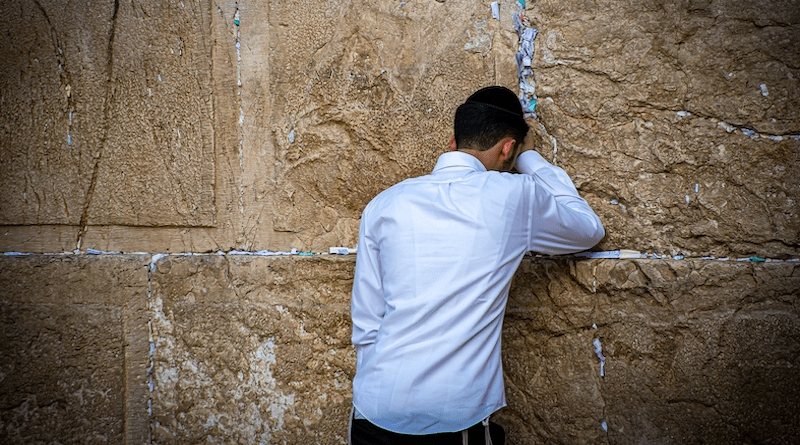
156	165
360	104
696	352
51	77
251	349
111	123
197	126
257	348
610	90
201	126
73	337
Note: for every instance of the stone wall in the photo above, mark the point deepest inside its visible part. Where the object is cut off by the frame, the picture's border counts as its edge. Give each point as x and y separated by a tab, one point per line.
250	349
197	126
74	347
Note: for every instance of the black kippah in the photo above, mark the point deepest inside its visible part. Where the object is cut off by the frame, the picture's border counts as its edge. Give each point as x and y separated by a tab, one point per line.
482	104
499	98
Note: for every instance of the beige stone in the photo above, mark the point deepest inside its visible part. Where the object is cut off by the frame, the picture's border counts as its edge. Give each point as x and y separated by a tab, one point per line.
696	351
74	342
690	346
251	349
198	126
168	128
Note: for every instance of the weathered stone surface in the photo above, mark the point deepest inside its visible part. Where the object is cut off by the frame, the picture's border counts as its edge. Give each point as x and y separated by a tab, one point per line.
252	125
156	166
52	78
251	349
73	337
696	352
611	88
118	99
360	104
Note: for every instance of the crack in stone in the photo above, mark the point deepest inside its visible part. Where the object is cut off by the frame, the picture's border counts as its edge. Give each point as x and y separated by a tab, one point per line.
107	118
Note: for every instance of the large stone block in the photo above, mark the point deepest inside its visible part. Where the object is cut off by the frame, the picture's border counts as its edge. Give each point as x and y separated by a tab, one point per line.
695	352
363	97
53	79
199	126
251	349
157	163
112	124
73	337
108	111
676	119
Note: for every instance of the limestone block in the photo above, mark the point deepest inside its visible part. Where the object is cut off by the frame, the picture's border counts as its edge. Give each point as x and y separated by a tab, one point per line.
257	348
363	95
156	167
251	349
695	352
110	119
73	337
666	117
253	125
52	81
711	359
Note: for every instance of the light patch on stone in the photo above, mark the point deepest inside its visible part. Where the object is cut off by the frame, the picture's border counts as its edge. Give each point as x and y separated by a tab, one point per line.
253	421
481	42
556	51
265	384
728	127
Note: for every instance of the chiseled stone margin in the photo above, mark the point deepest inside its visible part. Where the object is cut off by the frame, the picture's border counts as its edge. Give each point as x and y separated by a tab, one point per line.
74	348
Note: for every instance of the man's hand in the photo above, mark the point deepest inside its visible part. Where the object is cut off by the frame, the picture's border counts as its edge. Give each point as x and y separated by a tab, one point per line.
527	144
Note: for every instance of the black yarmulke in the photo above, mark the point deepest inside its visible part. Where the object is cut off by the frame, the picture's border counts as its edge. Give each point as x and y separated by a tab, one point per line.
497	97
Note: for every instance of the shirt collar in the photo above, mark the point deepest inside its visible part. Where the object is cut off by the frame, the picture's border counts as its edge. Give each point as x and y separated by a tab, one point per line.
458	160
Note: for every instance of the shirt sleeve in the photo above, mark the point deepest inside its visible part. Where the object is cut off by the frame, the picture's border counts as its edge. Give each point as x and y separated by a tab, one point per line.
560	220
367	304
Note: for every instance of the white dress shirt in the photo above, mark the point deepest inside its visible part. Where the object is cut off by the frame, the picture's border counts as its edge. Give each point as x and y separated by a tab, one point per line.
435	259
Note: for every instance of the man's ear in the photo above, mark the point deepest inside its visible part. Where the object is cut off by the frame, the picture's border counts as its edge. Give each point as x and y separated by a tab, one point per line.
453	142
508	148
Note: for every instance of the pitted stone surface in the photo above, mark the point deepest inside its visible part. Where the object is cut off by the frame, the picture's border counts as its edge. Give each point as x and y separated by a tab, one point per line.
73	337
366	103
108	104
251	349
690	348
647	104
196	126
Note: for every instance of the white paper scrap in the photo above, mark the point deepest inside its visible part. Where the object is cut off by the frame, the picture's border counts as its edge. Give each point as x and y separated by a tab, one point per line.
341	250
598	349
624	253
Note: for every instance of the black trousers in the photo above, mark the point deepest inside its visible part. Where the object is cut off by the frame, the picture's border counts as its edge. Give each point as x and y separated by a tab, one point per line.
366	433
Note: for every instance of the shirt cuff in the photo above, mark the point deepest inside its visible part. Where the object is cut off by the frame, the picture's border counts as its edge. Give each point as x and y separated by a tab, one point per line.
530	161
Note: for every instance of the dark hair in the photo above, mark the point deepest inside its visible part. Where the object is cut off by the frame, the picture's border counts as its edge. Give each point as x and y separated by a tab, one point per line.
489	115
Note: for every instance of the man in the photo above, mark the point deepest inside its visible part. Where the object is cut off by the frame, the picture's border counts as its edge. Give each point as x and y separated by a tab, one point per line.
436	255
